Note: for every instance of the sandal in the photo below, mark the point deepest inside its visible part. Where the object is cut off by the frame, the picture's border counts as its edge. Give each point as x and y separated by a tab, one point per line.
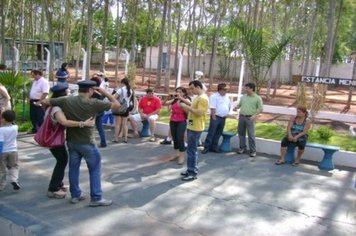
295	164
152	139
115	141
174	158
279	162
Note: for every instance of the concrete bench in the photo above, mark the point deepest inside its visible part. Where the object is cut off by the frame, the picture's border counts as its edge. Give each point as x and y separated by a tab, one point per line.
327	161
145	131
225	145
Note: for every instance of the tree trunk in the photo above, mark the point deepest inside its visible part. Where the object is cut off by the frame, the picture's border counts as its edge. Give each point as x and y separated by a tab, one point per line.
328	52
351	88
169	31
179	20
147	36
273	15
194	43
105	33
310	38
89	37
118	32
133	32
160	51
220	13
284	32
2	32
67	29
79	43
50	33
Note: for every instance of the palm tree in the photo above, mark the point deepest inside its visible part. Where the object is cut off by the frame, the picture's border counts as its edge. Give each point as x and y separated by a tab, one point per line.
259	52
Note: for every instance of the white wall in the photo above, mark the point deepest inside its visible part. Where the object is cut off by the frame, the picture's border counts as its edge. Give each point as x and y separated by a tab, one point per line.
202	64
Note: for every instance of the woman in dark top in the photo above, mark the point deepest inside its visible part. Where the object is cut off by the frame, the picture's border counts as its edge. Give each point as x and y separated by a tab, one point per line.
297	135
62	73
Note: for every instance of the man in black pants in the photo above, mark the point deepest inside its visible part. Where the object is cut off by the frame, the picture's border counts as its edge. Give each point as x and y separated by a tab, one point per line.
38	92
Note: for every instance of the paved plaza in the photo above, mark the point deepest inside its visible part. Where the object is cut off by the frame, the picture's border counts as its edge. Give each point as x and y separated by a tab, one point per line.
233	195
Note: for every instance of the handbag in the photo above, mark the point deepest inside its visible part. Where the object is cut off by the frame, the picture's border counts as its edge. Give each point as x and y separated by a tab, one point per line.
49	135
123	105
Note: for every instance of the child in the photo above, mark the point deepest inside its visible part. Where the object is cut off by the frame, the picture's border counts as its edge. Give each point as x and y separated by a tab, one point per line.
8	150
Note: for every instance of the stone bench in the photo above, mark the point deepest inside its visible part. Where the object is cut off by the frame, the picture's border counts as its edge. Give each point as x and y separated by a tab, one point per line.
225	145
327	161
145	131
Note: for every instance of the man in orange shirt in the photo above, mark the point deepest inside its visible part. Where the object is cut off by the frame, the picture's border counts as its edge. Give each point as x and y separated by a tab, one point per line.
149	109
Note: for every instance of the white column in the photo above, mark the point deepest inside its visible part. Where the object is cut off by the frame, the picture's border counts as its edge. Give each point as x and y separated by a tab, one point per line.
242	70
17	59
180	62
48	61
127	56
317	70
84	64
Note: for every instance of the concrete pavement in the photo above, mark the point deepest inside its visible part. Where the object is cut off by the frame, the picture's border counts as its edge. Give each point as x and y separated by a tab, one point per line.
233	195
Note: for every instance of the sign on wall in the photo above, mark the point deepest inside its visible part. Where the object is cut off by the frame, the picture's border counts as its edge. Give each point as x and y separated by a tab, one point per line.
324	80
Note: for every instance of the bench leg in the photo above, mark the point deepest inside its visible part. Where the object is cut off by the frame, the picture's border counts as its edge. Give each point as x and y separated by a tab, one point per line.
225	145
327	162
290	154
145	132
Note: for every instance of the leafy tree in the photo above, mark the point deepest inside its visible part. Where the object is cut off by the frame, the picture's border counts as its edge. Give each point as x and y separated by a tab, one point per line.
258	51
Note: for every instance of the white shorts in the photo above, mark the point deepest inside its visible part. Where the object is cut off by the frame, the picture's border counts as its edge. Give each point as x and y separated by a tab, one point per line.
137	117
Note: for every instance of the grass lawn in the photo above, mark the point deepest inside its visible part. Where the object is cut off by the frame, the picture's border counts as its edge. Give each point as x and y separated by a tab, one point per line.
277	132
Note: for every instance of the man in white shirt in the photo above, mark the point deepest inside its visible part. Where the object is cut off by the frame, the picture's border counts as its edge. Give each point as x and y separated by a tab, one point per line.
38	92
220	105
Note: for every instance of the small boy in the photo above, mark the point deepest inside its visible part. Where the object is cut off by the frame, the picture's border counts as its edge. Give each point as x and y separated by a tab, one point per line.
8	150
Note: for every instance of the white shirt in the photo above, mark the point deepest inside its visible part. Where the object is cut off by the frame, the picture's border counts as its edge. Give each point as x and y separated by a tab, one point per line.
123	92
8	135
221	104
38	88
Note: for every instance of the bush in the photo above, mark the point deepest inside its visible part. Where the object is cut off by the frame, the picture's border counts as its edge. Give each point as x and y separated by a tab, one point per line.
324	133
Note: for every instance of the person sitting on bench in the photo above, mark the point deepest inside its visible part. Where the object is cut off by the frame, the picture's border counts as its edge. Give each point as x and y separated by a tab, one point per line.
297	135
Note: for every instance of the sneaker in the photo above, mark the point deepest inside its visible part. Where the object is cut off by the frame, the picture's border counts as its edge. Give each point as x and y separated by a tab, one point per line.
58	194
252	154
102	202
189	178
75	200
184	173
16	185
166	142
240	151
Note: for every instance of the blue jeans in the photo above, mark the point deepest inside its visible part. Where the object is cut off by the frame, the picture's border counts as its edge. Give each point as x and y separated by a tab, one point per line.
92	158
99	127
215	131
192	154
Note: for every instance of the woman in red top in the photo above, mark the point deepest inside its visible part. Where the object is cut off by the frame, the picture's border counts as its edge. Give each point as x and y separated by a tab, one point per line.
178	122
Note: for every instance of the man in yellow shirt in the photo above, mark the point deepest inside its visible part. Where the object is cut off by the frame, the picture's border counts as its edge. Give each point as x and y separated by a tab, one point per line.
196	124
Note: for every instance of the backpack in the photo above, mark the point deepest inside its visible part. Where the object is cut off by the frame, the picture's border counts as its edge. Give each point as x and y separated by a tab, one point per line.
131	102
123	105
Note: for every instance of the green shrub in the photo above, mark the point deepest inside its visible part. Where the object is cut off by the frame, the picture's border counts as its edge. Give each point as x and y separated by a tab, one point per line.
25	126
325	133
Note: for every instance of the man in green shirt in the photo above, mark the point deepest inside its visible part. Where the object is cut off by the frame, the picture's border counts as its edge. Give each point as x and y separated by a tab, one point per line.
250	106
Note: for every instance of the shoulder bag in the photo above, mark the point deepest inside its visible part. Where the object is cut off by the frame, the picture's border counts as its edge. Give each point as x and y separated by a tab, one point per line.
49	135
